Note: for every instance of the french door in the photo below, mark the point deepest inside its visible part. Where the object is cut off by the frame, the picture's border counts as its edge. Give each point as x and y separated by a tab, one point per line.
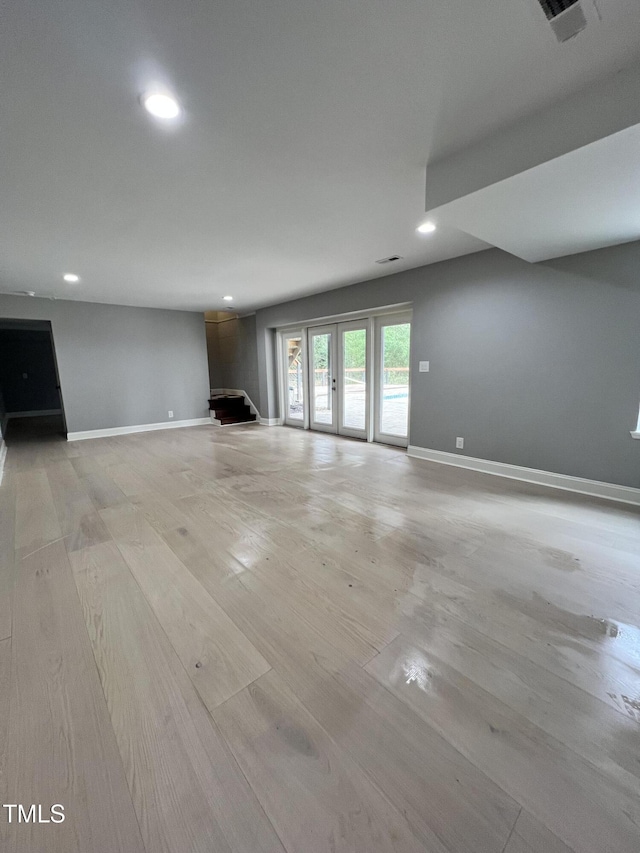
349	378
339	369
392	385
295	380
323	376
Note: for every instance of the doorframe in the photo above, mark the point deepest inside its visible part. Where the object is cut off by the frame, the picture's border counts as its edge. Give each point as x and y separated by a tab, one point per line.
27	324
378	379
404	309
336	361
283	377
332	389
58	382
352	326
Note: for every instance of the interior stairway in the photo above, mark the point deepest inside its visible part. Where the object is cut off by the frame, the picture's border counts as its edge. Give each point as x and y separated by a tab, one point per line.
230	409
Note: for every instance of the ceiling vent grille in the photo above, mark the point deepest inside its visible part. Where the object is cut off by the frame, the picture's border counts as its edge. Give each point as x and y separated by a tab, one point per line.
389	260
566	17
553	8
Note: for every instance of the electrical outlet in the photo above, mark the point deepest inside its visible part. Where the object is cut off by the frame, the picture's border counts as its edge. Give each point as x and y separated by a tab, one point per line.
424	367
459	443
170	414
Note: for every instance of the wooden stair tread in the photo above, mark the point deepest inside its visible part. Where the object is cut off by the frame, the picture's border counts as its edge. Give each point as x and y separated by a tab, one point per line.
237	420
230	409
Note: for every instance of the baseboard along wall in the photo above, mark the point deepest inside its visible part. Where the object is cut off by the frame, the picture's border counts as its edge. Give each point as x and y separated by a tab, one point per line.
127	430
593	488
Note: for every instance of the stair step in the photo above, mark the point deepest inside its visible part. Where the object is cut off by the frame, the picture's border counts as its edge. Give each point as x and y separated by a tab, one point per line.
237	420
227	406
232	410
239	412
226	400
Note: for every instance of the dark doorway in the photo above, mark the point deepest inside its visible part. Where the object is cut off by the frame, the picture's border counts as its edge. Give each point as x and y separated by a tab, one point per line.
31	405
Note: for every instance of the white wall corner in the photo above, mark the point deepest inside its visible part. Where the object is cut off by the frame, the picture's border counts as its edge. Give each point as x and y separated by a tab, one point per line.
593	488
3	456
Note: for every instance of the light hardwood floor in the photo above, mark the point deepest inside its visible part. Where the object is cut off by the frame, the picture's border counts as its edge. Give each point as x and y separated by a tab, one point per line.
264	640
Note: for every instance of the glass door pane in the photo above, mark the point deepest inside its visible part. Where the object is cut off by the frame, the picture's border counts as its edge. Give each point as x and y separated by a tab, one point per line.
353	380
322	378
294	401
392	380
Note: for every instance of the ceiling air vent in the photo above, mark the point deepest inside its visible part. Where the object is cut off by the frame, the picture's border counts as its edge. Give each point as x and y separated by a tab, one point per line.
389	260
565	16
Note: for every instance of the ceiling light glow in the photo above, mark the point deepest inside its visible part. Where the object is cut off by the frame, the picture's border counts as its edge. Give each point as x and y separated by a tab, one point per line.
426	228
71	277
228	298
161	105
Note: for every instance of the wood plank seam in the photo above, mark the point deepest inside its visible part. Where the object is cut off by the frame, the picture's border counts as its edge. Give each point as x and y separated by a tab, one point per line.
506	843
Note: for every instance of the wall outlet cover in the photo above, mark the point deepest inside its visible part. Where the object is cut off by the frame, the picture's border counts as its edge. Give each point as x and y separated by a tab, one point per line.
459	443
424	367
170	414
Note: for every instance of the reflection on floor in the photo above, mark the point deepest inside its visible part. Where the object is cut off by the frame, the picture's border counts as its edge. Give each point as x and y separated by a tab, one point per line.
264	639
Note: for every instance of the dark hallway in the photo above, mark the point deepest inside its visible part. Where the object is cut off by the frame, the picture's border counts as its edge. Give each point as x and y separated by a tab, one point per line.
30	399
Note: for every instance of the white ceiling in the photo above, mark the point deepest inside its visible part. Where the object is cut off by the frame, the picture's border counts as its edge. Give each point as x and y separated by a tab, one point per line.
301	157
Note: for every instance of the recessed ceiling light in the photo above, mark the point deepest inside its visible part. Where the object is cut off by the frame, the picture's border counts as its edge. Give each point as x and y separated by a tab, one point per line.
228	298
161	105
426	228
71	277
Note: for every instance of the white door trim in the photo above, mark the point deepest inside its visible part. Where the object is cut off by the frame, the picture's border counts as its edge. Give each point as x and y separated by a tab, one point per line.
398	308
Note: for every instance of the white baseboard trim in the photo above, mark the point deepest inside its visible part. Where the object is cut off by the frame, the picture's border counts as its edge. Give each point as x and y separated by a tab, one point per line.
271	421
3	456
35	414
593	488
127	430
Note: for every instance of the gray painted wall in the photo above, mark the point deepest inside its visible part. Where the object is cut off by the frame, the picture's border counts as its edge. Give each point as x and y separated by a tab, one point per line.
233	355
122	366
213	356
533	364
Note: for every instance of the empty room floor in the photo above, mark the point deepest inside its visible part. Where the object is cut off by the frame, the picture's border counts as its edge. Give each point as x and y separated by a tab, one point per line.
262	639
